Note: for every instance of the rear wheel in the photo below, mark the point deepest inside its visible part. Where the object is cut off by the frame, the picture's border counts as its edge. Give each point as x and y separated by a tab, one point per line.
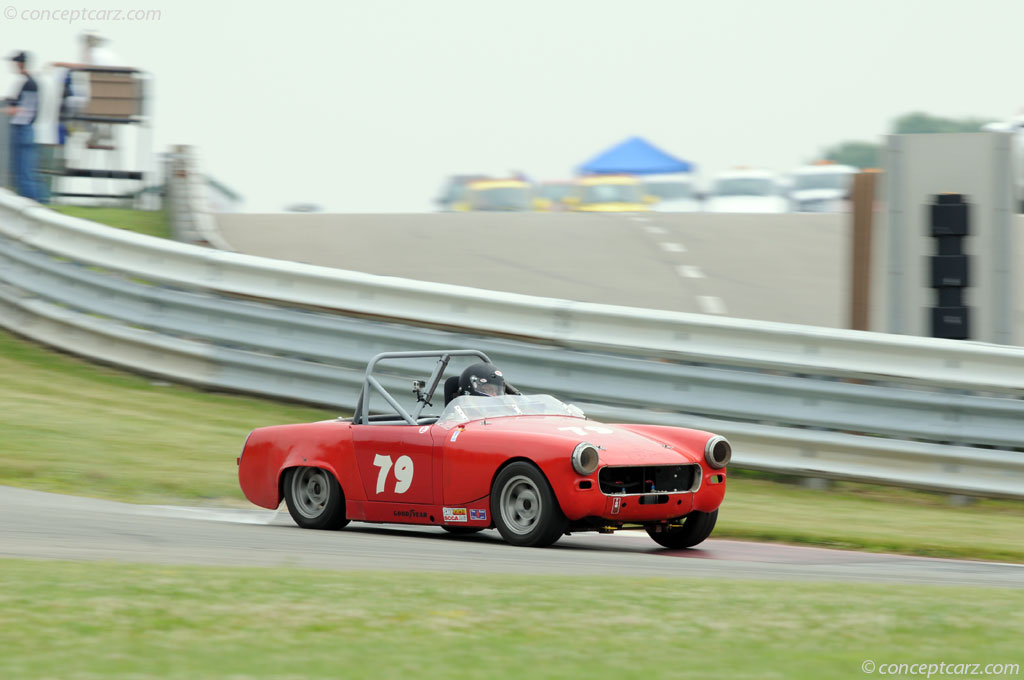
697	526
524	507
314	498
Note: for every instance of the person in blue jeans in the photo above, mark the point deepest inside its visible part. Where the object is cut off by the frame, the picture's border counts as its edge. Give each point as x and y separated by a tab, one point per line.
23	112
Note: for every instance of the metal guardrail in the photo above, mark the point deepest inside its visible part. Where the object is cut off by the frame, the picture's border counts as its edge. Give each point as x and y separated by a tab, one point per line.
908	411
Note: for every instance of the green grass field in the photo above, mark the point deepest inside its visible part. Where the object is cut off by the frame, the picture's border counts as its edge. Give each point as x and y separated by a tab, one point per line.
88	621
73	427
150	222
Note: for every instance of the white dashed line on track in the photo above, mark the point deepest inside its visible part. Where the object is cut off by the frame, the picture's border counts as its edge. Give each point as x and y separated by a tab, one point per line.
710	304
655	231
673	247
688	271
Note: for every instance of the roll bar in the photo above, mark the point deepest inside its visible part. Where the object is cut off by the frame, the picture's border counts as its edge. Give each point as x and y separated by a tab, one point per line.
423	396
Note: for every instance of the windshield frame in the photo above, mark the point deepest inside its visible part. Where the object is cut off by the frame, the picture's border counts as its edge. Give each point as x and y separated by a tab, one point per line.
469	408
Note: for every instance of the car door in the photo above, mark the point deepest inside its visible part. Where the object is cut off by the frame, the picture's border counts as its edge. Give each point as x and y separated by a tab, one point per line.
395	462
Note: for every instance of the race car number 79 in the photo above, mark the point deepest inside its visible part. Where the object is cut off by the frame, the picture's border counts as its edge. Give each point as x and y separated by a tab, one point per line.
403	472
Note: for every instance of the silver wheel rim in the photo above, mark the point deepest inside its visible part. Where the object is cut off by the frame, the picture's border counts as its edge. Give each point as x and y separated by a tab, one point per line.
311	491
520	504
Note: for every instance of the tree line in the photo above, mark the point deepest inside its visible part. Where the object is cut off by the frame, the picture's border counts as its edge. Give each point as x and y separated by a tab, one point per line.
862	154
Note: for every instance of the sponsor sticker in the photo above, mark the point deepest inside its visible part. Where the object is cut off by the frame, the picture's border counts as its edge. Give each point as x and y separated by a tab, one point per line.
455	435
454	514
478	514
616	504
424	429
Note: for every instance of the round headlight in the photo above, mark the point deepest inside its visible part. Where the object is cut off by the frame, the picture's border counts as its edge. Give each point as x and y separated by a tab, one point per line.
718	452
585	458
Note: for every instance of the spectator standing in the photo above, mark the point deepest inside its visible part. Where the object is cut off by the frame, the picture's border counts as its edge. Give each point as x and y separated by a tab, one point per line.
23	110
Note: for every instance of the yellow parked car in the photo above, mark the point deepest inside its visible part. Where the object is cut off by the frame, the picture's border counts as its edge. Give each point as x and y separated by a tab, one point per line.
510	195
609	193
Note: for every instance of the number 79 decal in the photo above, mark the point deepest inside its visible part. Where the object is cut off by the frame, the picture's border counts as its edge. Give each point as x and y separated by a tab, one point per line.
403	472
582	431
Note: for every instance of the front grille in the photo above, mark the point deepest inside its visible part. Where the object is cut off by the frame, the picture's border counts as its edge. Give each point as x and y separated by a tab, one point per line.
648	479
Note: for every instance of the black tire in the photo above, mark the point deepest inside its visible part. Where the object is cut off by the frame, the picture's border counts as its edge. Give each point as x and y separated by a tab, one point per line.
462	531
524	507
695	529
314	497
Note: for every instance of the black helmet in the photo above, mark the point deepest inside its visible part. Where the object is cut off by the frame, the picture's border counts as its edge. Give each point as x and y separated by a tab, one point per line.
482	380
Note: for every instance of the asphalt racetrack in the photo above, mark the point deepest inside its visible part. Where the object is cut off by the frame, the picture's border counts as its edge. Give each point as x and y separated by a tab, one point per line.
41	525
789	268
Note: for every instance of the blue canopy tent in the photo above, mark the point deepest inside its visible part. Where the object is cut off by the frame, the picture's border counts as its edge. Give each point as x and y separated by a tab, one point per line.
635	156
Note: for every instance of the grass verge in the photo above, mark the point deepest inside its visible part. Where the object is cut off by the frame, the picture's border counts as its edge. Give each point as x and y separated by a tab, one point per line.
69	426
149	222
85	621
73	427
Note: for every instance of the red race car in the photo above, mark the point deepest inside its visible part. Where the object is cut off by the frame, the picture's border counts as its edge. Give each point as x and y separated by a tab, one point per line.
529	465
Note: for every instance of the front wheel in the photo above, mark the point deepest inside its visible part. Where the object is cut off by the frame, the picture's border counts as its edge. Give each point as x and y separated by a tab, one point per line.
697	526
314	498
524	507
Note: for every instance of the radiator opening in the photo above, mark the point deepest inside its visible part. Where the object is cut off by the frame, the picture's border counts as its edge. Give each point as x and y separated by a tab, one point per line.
644	479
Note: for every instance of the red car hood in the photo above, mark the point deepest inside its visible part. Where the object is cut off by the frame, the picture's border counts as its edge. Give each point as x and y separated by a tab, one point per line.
619	444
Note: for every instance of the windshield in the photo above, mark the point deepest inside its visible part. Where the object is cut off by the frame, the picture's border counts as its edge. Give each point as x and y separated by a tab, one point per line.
670	190
745	186
831	180
554	192
466	408
501	198
612	193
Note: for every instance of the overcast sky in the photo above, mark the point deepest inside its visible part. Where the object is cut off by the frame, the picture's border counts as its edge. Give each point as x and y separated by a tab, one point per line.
367	106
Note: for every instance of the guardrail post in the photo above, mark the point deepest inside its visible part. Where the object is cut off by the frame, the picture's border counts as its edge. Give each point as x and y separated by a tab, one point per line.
950	225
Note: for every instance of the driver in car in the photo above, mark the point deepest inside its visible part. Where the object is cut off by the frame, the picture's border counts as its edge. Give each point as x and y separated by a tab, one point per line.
484	380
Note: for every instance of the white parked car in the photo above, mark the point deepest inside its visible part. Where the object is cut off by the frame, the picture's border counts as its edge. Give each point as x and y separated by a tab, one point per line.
821	187
675	192
746	191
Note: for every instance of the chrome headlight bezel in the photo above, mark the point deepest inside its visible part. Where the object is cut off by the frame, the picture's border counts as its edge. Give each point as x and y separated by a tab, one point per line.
718	452
585	458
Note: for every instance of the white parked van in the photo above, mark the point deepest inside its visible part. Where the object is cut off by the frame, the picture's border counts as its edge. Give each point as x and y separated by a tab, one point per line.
746	191
821	187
